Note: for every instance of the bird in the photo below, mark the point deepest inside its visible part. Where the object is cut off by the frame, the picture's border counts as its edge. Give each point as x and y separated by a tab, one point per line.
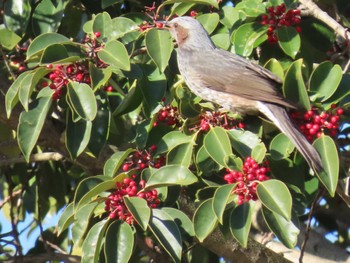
234	83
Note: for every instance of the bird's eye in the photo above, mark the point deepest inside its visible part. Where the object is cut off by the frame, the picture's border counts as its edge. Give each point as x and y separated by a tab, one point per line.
176	25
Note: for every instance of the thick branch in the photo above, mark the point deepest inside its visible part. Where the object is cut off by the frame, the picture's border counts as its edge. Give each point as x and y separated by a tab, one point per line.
38	157
44	258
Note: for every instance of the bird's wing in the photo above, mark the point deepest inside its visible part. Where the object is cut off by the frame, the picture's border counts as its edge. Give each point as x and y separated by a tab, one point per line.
238	76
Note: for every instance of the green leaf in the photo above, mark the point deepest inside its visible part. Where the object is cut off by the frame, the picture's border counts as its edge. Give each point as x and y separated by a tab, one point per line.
209	21
204	219
289	40
130	102
82	99
181	219
32	122
47	16
171	175
77	135
286	231
159	47
99	77
60	54
329	155
222	40
122	26
119	242
217	144
66	219
43	41
246	36
28	84
93	243
115	54
213	3
325	80
205	163
259	152
243	141
115	161
81	223
16	15
172	139
230	16
294	87
11	97
8	39
139	209
275	67
281	147
93	193
252	8
181	155
107	3
103	23
240	222
275	195
222	196
167	233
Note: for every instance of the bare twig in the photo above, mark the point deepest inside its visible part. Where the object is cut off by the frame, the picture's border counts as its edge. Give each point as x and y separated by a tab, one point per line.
48	257
7	64
8	198
308	226
313	10
38	157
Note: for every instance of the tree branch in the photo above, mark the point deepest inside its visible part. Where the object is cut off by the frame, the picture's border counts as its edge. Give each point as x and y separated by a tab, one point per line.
44	258
37	157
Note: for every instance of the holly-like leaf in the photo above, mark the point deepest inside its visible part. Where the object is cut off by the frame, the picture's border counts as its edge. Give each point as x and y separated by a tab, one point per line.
240	222
281	147
217	144
159	47
221	197
275	195
114	53
204	219
209	21
8	39
139	209
289	40
115	161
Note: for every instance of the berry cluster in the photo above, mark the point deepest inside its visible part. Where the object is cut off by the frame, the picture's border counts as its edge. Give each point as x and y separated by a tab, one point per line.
217	118
248	179
115	205
315	122
17	59
168	115
277	17
60	76
142	159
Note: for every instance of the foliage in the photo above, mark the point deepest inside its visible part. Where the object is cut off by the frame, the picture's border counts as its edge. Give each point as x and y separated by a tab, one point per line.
88	78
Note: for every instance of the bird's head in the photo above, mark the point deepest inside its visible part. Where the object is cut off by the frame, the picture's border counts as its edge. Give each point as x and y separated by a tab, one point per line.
189	33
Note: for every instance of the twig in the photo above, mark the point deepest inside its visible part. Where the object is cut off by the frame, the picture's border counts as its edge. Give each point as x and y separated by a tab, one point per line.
38	157
317	13
7	64
308	226
54	246
47	257
8	198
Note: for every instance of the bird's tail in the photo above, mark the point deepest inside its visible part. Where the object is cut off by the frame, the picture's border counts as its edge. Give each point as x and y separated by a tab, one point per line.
279	116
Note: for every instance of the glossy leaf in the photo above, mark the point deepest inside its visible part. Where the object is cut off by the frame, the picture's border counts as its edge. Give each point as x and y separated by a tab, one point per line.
66	219
8	39
217	144
204	220
32	122
119	242
47	16
252	8
115	161
275	195
205	163
294	87
82	100
281	147
209	21
43	41
245	37
114	53
122	26
172	139
102	23
181	155
60	54
221	197
181	219
259	152
240	222
159	47
212	3
275	67
11	97
93	193
167	233
330	159
243	141
28	84
16	15
99	77
286	231
325	80
139	209
289	40
230	16
77	136
171	175
93	242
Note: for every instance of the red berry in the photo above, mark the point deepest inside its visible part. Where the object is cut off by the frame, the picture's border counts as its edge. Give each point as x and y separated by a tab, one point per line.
97	34
125	167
